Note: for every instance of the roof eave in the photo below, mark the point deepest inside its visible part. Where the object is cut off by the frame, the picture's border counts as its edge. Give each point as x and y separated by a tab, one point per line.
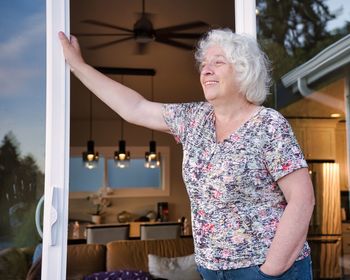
327	61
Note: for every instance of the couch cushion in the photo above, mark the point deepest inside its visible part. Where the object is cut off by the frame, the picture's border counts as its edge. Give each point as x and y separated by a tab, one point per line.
177	268
133	254
84	259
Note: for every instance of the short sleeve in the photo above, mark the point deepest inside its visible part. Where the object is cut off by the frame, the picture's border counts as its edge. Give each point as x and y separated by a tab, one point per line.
177	117
283	154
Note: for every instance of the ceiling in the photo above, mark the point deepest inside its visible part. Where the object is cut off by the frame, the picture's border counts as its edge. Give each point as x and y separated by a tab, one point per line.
176	78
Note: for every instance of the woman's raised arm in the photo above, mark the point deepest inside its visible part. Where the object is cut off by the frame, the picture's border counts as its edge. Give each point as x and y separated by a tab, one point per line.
126	102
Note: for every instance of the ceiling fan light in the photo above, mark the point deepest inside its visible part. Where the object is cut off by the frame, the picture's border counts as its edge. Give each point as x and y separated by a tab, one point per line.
143	31
143	37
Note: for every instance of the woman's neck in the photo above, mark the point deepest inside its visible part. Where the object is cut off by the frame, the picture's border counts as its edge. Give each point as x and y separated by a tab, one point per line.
230	117
235	109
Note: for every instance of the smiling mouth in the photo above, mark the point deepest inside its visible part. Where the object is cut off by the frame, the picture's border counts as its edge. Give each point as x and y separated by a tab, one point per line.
209	83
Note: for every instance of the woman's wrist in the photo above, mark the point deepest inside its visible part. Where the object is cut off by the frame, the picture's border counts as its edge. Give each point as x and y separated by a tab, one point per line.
271	269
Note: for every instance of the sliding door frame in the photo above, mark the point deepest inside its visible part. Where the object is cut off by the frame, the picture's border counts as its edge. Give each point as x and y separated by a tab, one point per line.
54	258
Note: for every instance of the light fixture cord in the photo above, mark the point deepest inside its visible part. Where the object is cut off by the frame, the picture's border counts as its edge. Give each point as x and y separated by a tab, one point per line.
121	129
143	7
121	119
152	99
90	116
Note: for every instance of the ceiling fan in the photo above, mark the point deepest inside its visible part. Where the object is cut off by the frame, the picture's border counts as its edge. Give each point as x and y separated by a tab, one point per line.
143	33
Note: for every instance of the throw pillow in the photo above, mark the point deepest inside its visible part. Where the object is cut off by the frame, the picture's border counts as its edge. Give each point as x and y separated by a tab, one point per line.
179	268
119	275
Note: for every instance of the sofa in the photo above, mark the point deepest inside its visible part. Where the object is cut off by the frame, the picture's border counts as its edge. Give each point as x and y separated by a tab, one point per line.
129	255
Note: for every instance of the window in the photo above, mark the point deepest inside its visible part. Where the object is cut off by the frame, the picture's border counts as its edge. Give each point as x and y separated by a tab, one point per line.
124	183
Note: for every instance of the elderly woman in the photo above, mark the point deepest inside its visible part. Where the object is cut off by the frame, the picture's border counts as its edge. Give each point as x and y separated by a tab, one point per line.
248	183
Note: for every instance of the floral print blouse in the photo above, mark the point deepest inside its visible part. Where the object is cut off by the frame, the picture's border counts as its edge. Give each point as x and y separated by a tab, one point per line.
235	199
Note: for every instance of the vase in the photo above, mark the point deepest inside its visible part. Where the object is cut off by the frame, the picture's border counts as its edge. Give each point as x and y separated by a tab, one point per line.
123	217
96	219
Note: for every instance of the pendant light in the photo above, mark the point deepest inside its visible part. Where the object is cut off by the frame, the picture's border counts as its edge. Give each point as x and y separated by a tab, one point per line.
122	157
90	158
152	158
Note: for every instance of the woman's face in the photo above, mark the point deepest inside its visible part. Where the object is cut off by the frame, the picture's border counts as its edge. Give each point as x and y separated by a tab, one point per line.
217	75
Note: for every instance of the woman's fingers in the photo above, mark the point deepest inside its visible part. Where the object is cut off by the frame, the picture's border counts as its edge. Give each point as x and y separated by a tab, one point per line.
74	42
63	38
71	50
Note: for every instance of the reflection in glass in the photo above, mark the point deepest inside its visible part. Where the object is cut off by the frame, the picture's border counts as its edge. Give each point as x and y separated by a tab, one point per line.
291	32
22	132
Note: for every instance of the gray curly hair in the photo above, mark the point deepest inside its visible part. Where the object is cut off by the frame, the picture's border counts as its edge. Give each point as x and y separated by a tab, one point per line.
252	67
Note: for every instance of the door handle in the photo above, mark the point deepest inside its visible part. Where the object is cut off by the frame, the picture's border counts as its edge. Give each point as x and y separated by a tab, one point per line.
53	216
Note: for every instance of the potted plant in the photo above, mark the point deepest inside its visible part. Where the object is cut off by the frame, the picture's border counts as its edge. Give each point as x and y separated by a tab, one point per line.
100	202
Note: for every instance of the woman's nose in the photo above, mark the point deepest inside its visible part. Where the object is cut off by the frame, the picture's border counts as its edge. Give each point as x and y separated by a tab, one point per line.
207	70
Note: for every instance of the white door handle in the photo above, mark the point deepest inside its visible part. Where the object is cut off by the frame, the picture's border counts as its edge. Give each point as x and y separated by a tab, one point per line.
53	215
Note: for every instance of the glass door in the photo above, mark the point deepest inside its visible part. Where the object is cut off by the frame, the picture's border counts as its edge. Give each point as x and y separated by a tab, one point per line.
22	134
33	139
57	144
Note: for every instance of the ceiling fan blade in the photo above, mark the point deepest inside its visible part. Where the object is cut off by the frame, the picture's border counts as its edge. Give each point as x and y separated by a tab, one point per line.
99	34
110	43
104	24
179	35
185	26
175	43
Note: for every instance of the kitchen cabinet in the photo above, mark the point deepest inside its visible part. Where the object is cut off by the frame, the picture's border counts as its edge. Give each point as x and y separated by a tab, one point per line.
346	248
316	138
341	156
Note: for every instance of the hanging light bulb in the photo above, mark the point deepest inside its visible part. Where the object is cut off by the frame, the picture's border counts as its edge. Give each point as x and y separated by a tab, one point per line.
90	158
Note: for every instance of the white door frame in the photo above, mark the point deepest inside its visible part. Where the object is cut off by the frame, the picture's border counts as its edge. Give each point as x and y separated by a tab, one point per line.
57	145
245	17
57	132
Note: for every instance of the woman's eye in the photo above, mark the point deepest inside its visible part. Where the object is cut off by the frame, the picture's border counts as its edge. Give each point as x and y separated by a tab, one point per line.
219	62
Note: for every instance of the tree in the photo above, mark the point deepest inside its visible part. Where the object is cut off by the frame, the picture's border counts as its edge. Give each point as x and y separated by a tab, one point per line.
292	31
20	183
9	163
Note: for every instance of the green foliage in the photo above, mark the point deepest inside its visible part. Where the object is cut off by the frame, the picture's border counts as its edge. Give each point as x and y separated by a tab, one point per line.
293	31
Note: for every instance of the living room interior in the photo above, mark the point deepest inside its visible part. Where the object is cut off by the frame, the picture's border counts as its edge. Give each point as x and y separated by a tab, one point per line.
176	80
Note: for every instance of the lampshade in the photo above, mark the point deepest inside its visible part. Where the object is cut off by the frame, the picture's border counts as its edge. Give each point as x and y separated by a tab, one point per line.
122	157
152	158
90	158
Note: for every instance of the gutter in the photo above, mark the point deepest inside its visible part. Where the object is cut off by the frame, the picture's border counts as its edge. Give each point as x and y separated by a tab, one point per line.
327	61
